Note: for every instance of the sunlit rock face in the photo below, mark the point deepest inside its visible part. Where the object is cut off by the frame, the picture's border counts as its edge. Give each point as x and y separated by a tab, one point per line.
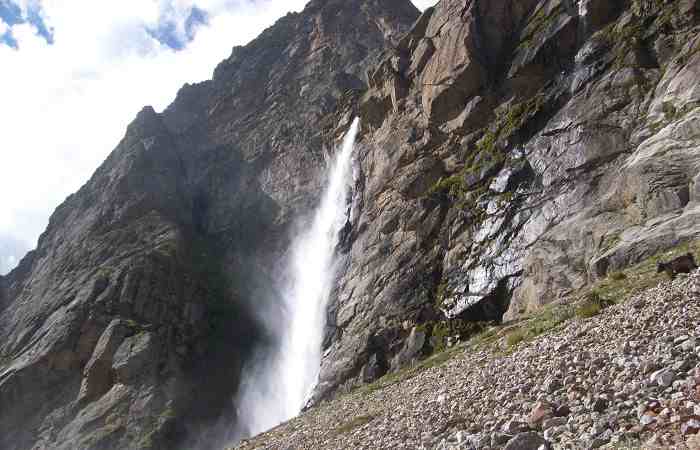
129	324
514	152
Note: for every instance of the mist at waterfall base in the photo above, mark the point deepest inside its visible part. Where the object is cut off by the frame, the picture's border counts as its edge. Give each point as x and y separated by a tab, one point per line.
279	381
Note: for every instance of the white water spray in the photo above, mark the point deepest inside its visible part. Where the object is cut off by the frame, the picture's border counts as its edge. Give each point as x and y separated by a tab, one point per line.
276	388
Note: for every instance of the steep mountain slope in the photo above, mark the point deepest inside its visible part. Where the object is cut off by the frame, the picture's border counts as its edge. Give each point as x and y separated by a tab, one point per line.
514	151
127	327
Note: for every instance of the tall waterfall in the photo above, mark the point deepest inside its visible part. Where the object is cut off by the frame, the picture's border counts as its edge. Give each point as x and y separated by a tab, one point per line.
276	386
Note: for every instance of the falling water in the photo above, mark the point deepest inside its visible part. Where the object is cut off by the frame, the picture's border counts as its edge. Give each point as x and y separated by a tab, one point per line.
276	387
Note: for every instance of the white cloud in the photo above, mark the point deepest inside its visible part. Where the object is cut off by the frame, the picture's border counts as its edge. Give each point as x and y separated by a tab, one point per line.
9	249
64	107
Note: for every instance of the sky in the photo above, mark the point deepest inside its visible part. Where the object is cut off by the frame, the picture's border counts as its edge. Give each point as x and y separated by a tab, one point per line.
74	74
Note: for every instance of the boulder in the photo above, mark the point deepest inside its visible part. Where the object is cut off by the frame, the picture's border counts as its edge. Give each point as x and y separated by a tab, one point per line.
527	441
135	358
97	373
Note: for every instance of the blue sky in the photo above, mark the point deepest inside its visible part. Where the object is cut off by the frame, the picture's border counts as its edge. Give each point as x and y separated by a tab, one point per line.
166	31
12	14
76	72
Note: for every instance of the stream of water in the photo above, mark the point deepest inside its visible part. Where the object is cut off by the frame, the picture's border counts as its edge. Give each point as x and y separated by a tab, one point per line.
277	385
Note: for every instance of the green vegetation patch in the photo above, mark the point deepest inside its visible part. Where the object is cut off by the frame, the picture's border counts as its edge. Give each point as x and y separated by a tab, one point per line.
592	305
543	321
620	285
516	337
618	276
537	25
518	115
357	422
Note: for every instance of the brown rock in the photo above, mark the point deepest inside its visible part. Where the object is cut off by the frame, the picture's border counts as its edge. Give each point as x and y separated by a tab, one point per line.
540	412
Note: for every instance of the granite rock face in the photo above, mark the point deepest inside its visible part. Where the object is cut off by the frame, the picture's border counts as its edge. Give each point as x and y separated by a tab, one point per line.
513	153
127	327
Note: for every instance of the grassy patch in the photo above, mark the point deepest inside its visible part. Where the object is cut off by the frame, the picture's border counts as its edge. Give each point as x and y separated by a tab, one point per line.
669	110
168	248
589	309
354	423
536	25
105	272
453	185
549	318
518	115
610	241
131	323
516	337
486	338
438	332
620	285
618	276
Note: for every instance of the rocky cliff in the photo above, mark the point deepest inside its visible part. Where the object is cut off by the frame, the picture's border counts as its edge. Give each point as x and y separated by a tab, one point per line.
127	327
512	152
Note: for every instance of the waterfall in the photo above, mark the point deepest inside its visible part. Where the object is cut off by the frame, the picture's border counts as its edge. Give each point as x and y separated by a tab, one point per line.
277	385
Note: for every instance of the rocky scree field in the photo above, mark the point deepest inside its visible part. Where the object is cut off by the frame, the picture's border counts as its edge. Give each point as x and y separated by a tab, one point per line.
623	376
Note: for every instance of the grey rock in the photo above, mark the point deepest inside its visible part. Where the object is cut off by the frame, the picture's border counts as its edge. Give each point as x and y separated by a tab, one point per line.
412	348
527	441
97	374
663	377
554	422
514	427
135	356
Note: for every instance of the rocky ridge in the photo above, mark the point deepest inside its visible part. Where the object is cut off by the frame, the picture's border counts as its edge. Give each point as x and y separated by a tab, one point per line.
628	378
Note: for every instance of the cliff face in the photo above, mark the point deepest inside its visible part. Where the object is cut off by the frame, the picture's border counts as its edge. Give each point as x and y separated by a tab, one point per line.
513	152
128	325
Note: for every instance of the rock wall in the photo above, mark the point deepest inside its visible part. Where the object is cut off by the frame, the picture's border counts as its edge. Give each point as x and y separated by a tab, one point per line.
513	152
